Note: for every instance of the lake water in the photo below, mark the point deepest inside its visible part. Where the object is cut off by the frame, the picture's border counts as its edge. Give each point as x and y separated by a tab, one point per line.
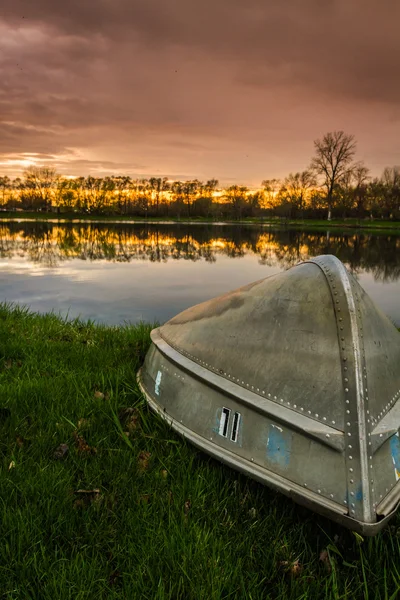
114	273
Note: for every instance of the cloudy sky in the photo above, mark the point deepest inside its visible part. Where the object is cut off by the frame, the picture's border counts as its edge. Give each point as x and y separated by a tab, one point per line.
232	89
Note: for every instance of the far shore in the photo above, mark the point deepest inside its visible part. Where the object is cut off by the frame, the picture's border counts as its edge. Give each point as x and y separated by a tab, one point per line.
348	223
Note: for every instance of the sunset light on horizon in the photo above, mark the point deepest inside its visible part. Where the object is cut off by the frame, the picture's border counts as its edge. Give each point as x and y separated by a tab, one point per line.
228	90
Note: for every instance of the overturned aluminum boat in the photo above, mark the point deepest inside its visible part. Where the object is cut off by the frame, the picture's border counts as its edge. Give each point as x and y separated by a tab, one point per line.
295	381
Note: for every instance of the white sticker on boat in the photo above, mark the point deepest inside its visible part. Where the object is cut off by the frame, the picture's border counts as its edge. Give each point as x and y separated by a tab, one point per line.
276	427
224	422
158	381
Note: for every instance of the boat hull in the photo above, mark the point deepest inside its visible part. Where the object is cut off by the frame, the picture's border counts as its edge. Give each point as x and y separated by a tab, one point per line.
293	380
184	380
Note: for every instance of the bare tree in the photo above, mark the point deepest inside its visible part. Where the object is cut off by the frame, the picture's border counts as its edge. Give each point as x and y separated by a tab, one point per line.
296	188
235	196
360	174
41	182
209	188
95	193
205	202
333	161
5	186
270	193
177	194
391	190
190	191
360	177
123	184
157	187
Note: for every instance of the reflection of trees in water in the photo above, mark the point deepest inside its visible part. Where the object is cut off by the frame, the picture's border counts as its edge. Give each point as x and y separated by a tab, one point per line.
37	244
49	244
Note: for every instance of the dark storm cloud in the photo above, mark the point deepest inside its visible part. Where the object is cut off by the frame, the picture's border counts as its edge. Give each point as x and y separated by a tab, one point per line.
190	86
336	38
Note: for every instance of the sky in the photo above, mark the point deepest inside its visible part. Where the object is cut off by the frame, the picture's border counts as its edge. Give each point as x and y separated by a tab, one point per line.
235	90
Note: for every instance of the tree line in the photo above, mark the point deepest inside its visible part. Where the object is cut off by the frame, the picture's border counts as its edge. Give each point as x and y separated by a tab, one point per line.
333	186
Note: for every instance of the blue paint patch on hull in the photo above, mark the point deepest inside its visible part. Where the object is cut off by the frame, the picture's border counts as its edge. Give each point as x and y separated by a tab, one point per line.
395	451
279	446
359	494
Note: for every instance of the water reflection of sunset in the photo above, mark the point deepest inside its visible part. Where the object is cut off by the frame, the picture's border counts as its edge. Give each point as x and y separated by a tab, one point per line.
51	244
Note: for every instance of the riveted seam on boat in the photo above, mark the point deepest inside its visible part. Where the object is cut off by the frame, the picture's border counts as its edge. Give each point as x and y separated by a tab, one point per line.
358	355
364	425
370	422
388	406
295	407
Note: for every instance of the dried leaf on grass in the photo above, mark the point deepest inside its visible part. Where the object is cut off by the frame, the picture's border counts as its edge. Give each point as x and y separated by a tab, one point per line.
87	497
20	441
61	451
326	560
243	500
187	507
82	445
296	569
124	413
292	568
10	363
129	417
143	461
132	423
11	465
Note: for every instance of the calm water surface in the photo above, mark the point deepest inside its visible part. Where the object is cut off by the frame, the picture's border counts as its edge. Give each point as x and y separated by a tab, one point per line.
114	273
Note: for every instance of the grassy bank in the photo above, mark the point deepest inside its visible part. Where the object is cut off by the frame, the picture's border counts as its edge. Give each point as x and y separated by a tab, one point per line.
100	499
358	224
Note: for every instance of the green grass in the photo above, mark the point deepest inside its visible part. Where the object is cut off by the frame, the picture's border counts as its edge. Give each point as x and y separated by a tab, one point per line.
319	224
172	523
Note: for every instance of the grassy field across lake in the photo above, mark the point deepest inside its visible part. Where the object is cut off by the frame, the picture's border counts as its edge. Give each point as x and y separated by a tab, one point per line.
100	499
386	226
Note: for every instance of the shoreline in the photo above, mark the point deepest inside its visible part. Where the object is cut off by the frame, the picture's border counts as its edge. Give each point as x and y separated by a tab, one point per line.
345	224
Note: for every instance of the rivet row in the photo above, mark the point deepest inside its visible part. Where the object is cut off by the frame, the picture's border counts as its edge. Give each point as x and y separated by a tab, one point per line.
241	382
